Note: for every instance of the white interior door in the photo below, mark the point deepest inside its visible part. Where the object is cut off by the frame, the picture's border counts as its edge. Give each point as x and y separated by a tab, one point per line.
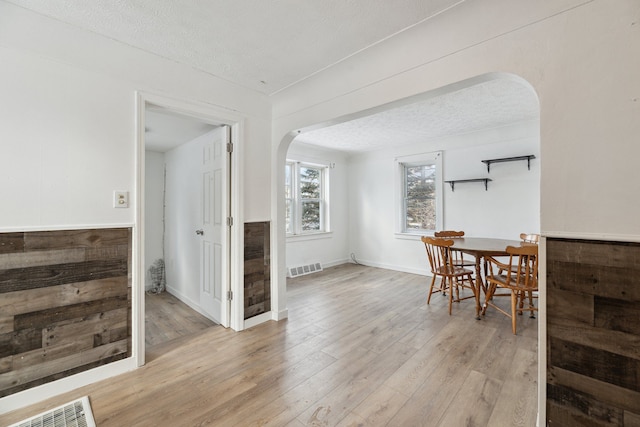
213	233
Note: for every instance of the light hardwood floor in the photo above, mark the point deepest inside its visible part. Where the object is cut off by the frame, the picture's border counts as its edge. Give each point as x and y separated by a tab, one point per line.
168	318
360	348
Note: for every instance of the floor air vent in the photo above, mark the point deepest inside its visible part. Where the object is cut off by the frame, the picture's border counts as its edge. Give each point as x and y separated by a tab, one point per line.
304	269
72	414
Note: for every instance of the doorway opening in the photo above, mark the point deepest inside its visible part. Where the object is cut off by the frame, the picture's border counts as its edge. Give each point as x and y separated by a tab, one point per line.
489	116
185	235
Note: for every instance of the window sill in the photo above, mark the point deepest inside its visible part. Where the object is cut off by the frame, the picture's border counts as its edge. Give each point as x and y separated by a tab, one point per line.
310	236
413	236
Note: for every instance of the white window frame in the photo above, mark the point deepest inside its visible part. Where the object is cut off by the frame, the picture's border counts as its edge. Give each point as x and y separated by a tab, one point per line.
296	199
434	158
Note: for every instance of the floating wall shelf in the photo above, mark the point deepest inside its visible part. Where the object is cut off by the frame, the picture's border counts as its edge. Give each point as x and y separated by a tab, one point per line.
485	180
510	159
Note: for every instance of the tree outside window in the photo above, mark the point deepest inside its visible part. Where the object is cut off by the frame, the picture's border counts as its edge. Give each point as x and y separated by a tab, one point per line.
288	191
305	202
420	197
421	193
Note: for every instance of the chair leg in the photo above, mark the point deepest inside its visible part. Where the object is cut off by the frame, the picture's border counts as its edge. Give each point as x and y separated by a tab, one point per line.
531	312
491	288
450	294
433	282
457	288
514	300
521	298
476	297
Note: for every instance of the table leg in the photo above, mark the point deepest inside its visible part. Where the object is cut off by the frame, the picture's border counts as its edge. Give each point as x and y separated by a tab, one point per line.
479	285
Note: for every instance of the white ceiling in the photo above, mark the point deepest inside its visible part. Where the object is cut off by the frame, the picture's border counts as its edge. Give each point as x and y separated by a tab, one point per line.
268	45
491	104
265	45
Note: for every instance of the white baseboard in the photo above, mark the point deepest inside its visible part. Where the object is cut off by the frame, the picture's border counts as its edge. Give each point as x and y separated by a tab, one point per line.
64	385
256	320
265	317
411	270
334	263
185	299
280	315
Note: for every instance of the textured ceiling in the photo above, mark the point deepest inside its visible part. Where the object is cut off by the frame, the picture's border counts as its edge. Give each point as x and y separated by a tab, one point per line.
265	45
491	104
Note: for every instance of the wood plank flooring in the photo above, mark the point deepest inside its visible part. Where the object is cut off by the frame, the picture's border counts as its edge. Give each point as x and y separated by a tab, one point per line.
360	348
168	318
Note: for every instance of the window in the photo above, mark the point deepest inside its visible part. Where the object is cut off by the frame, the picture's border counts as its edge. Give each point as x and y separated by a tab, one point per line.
305	192
421	190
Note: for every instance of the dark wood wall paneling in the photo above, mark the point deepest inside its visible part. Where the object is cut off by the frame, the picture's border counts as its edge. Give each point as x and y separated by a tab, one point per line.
257	269
65	304
593	333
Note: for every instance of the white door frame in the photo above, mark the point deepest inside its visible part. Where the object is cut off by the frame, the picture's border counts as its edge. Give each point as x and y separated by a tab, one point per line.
210	114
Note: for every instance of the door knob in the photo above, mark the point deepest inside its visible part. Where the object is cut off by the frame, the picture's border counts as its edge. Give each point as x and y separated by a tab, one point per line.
200	232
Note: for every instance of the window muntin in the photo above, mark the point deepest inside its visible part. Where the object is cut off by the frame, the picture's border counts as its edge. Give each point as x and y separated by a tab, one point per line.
305	194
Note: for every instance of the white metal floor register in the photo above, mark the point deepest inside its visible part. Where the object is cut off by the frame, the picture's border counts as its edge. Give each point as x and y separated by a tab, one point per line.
72	414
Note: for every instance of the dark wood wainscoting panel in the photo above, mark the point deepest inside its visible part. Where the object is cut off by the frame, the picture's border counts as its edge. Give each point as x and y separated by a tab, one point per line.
593	333
65	304
257	269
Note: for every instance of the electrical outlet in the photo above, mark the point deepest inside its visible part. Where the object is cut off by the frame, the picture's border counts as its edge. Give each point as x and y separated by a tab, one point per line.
120	199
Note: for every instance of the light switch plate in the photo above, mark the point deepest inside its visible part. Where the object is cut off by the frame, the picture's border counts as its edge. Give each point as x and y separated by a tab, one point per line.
120	199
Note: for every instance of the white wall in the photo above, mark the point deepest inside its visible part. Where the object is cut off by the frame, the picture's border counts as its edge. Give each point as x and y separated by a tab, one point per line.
327	248
68	137
498	212
68	140
511	205
154	211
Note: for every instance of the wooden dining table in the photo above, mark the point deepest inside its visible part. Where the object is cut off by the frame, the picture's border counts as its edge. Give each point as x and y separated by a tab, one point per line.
482	248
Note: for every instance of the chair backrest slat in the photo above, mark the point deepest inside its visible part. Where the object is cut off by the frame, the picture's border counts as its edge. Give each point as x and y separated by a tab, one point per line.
451	234
438	252
526	259
530	238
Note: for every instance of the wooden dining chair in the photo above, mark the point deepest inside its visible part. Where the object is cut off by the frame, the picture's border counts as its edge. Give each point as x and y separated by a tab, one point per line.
530	238
519	278
458	258
452	277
